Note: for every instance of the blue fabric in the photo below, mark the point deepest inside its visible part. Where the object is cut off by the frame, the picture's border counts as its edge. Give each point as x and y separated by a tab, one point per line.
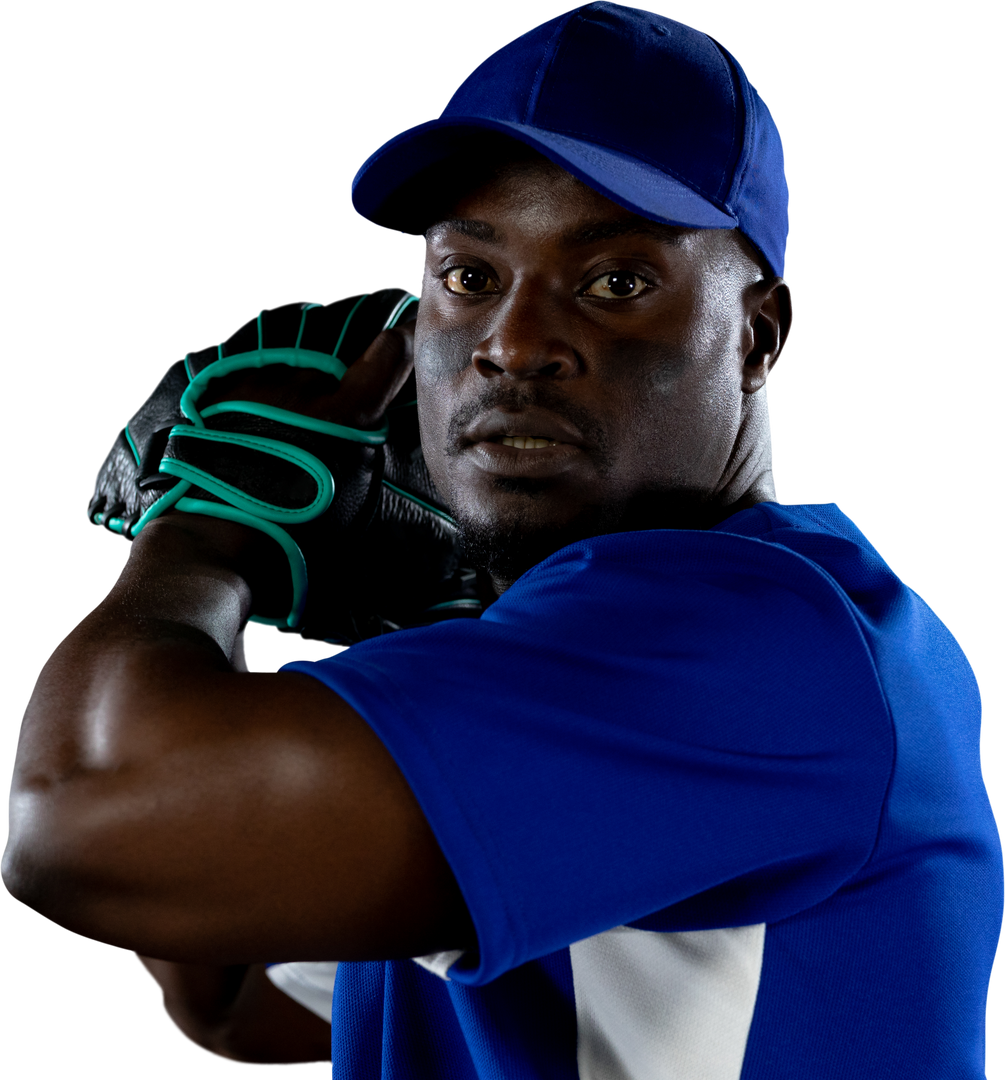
654	115
684	730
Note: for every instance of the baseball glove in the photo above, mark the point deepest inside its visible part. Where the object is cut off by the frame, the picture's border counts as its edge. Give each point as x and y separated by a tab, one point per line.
367	545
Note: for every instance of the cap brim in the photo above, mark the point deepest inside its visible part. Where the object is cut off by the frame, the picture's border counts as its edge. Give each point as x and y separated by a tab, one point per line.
641	188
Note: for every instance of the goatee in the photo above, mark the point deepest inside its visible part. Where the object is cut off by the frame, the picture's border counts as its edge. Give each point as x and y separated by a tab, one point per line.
506	550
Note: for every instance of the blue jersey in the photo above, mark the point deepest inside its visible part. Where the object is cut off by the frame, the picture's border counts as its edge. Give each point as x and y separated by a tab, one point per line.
714	802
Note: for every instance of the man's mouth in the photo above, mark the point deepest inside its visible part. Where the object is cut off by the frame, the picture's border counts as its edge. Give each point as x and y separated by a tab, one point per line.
543	455
532	429
527	442
534	445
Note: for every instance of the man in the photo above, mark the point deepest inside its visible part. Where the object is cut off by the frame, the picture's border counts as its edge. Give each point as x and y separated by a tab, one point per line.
697	796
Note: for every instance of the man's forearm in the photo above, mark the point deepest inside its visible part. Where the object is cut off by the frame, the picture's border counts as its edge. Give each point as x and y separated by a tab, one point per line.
108	686
104	701
236	1012
167	803
199	998
111	703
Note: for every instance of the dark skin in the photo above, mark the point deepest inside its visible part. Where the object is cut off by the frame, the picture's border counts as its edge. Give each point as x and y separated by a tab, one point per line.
166	800
236	1012
635	350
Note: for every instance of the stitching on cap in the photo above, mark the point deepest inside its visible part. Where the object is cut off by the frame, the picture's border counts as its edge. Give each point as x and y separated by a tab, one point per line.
744	162
545	63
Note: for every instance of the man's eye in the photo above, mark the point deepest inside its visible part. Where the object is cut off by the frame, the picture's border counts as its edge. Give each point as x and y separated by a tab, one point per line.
617	285
467	280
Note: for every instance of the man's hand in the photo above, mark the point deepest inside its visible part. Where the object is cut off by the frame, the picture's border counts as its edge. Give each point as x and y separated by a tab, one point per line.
236	1012
303	426
358	401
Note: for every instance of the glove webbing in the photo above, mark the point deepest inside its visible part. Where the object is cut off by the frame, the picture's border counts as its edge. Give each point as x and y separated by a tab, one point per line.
240	505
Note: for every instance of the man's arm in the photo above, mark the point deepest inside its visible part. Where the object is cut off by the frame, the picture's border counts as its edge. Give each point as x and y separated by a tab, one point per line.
236	1012
166	803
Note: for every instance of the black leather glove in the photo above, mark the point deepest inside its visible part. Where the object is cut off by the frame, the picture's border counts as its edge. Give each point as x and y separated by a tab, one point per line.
367	546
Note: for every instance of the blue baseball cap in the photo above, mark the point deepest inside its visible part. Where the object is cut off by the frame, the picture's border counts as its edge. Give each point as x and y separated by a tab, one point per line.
654	115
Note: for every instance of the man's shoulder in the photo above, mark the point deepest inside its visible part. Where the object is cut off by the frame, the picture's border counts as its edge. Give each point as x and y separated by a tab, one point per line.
798	526
827	538
768	549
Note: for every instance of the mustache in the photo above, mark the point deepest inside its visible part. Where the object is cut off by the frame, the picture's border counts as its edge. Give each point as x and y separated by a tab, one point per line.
516	399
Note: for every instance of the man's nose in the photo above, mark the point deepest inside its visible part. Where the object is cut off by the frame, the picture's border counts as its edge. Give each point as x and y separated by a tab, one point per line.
526	340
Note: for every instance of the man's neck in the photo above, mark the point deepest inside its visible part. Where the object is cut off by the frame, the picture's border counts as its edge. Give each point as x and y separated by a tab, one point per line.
654	510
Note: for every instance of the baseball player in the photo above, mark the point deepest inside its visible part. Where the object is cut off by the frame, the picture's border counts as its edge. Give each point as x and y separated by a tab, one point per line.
630	770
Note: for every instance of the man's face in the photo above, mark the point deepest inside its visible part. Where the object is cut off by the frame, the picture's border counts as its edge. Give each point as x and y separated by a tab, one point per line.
577	365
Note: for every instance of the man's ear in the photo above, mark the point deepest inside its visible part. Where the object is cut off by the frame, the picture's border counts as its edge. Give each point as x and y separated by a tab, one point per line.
771	317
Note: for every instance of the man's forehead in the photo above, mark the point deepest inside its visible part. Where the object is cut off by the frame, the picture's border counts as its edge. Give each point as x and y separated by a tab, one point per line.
582	234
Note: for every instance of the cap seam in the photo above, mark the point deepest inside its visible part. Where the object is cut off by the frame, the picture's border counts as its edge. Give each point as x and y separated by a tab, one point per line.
731	76
550	51
749	119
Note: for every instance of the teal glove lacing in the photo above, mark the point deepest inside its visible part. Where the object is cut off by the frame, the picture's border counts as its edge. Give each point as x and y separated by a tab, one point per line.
238	505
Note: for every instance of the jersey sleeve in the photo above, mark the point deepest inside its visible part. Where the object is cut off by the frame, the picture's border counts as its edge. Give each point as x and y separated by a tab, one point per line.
671	730
310	983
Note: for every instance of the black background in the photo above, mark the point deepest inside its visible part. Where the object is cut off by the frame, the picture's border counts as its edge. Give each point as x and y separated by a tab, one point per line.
174	173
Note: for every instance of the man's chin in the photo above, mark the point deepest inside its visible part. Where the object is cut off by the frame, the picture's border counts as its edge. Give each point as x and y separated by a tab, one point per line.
508	548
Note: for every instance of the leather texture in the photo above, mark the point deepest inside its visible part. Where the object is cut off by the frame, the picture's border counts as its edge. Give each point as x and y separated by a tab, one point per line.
384	553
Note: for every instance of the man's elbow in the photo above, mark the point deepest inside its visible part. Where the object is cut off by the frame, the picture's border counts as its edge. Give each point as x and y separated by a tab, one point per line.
20	876
23	859
43	888
43	864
